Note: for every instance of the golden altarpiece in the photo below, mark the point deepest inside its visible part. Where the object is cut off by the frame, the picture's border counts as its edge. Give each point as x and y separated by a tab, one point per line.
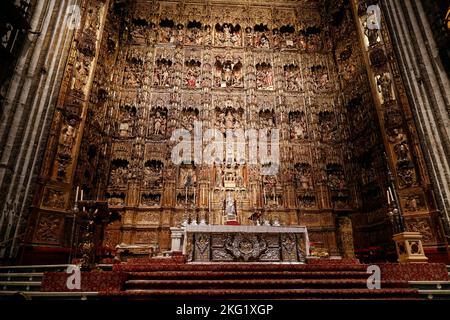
139	70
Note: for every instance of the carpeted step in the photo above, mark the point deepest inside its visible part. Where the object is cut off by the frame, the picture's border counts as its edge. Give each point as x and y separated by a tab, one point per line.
241	294
247	275
257	284
238	267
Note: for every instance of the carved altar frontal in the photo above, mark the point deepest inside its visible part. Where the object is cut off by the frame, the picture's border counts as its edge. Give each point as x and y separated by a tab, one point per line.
217	243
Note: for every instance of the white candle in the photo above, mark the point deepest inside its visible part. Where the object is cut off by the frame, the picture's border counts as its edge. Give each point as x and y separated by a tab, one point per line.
81	194
194	196
392	196
274	194
388	197
186	194
76	194
265	200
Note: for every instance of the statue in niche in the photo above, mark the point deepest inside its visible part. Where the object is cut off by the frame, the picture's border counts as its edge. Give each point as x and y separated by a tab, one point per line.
151	200
320	77
266	119
230	207
412	203
261	36
313	39
301	40
276	38
163	72
385	86
152	33
159	123
287	36
81	75
228	74
264	76
397	135
119	173
138	33
292	77
207	37
5	34
298	125
188	117
327	126
248	37
193	72
153	170
336	178
407	176
125	119
179	34
167	34
219	177
188	177
303	176
402	152
228	35
194	34
67	139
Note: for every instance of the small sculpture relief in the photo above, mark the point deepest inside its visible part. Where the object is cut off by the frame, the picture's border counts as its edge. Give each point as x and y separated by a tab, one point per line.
167	31
320	78
412	203
116	199
194	33
335	177
150	199
126	116
309	39
267	119
293	78
158	122
188	177
193	73
384	83
228	35
188	117
118	177
228	119
402	154
48	229
153	177
422	226
54	199
407	176
303	176
298	128
163	73
67	138
264	76
261	36
327	126
228	73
